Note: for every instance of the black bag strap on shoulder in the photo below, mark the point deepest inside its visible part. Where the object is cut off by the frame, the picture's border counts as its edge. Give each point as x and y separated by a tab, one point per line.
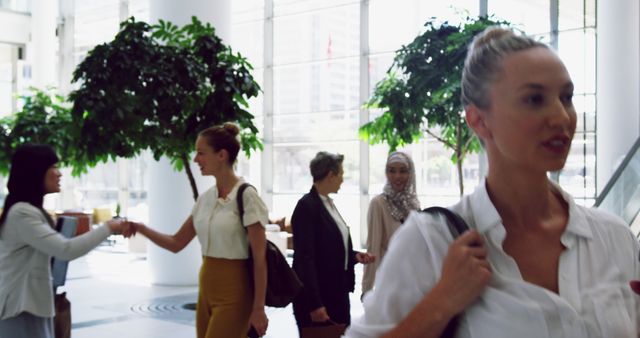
457	226
282	282
241	190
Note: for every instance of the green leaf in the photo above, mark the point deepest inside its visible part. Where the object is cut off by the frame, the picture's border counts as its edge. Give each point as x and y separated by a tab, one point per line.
155	87
421	91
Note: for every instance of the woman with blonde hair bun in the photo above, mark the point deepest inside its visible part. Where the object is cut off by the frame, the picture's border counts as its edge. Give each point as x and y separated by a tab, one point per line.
229	301
535	263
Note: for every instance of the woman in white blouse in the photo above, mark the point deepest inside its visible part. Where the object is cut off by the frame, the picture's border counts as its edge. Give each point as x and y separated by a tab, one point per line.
535	264
389	210
28	240
228	301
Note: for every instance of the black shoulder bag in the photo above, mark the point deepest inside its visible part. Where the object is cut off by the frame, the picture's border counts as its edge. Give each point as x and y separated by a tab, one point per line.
282	282
456	226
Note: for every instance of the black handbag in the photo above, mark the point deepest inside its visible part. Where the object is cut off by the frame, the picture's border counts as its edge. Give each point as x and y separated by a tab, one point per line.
282	282
329	329
456	226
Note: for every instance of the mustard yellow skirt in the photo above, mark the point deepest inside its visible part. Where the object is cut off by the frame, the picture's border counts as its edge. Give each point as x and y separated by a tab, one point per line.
225	299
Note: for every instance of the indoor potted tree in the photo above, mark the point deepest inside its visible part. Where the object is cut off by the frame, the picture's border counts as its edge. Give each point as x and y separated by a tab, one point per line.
44	118
155	87
421	92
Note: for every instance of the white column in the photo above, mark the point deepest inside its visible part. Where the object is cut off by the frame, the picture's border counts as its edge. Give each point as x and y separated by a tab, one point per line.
66	29
618	88
170	197
217	13
266	172
170	203
360	234
42	53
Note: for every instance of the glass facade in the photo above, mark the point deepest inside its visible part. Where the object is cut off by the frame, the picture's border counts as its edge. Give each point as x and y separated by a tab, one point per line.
317	62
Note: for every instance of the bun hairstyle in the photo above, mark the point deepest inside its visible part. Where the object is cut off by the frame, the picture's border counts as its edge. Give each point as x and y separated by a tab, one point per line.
484	62
225	137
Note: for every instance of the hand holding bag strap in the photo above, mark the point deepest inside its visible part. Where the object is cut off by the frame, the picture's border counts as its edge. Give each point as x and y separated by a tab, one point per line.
457	226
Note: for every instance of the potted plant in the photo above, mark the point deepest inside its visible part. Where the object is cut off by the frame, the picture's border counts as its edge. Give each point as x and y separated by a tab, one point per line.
44	118
155	87
421	92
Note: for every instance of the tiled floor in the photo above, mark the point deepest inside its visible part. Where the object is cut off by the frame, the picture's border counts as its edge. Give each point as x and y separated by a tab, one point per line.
111	296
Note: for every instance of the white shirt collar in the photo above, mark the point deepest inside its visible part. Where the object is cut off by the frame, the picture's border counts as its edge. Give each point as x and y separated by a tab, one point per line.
486	215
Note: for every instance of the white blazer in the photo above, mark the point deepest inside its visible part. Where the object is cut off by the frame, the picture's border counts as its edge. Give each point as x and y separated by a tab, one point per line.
27	243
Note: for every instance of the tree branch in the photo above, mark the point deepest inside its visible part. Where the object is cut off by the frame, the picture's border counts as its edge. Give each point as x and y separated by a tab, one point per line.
440	139
192	181
465	147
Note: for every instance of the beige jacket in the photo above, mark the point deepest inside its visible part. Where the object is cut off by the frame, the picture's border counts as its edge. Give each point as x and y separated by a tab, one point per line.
381	225
27	243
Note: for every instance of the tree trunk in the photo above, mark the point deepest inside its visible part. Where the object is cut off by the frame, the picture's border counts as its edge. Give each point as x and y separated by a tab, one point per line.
460	183
459	155
192	181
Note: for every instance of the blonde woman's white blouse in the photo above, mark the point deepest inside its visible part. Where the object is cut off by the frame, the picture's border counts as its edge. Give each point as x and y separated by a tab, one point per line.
594	298
217	221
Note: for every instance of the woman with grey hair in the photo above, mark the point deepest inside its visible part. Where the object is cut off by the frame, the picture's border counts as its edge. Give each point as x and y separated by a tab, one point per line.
389	210
323	257
534	264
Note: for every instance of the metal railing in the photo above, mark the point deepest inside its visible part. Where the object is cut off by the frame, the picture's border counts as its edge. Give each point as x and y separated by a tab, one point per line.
621	195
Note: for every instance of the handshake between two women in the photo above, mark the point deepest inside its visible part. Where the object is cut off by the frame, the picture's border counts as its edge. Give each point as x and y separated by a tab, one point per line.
123	226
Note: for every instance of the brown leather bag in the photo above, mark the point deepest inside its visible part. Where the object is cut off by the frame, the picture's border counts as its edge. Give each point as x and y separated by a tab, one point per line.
62	319
330	329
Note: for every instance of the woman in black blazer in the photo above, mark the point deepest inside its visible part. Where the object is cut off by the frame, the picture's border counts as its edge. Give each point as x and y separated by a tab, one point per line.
323	254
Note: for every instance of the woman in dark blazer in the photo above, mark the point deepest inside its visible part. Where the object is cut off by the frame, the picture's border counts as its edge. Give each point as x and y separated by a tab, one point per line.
323	254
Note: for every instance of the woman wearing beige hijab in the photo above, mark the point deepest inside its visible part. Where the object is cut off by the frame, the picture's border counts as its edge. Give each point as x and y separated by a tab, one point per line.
388	210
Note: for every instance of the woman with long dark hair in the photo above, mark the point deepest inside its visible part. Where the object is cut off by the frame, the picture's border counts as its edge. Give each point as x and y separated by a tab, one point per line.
28	240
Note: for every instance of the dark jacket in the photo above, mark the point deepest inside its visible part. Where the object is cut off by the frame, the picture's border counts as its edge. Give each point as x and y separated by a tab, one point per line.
318	257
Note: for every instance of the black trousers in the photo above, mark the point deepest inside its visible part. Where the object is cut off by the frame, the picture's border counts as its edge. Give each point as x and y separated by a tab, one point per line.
338	308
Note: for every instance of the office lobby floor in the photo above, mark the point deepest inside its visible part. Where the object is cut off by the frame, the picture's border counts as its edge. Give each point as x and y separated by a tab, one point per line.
112	296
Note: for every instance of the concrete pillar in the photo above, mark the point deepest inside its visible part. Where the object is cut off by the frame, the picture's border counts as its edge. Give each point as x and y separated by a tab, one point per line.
170	197
618	84
42	51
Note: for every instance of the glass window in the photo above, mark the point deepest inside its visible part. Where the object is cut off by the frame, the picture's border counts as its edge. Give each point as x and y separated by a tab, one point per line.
578	175
247	10
313	127
139	9
314	87
577	48
530	16
16	5
393	23
291	166
6	79
289	7
576	14
248	39
319	35
95	22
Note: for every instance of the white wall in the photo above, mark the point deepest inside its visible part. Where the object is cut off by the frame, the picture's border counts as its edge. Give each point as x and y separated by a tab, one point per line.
15	27
170	198
618	84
